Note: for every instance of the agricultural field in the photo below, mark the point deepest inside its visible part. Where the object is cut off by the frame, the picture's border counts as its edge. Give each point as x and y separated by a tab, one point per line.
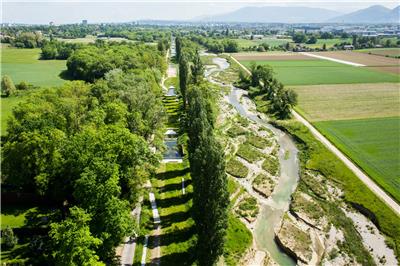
24	65
314	72
354	107
329	42
375	62
272	42
389	52
348	101
373	144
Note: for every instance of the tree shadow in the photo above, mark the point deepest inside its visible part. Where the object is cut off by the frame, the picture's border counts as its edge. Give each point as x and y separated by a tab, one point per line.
173	201
179	258
176	217
173	174
65	75
175	186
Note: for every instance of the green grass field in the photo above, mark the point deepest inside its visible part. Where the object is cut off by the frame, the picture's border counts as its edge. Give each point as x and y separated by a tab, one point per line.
374	144
245	43
314	72
329	42
7	104
24	65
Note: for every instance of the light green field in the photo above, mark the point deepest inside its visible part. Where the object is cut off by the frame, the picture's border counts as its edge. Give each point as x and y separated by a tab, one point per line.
329	42
24	65
7	104
348	101
314	72
245	43
374	144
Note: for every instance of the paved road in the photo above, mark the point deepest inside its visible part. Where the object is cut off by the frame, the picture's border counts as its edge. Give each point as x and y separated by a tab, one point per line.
354	168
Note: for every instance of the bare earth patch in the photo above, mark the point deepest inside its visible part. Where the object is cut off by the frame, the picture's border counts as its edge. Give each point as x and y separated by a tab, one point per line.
377	62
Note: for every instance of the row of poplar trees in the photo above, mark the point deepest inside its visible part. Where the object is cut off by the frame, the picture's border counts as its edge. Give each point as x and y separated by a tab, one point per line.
206	157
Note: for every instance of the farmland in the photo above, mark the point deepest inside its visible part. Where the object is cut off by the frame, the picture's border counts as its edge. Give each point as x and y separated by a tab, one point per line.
373	144
329	42
313	72
350	105
376	62
24	65
244	43
389	52
348	101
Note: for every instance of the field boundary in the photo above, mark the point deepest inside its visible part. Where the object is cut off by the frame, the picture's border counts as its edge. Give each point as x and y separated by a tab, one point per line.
378	191
333	59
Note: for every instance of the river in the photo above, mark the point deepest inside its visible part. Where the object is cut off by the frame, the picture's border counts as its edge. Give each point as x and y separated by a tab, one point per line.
272	209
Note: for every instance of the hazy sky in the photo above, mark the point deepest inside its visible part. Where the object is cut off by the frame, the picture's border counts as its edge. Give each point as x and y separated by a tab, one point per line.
130	10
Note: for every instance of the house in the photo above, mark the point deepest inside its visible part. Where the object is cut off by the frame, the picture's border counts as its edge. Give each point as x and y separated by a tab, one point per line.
348	47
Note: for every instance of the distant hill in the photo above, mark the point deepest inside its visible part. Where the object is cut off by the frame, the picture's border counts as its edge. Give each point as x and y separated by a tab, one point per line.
372	14
270	14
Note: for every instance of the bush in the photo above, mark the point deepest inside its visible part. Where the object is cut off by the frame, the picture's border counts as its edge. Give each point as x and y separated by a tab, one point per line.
258	141
235	131
271	165
248	208
23	86
9	239
7	86
249	153
236	168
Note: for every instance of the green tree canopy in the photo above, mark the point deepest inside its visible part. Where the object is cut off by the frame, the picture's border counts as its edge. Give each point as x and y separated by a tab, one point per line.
73	243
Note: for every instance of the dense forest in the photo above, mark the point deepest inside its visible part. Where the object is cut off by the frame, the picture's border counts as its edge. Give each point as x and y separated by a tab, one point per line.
87	148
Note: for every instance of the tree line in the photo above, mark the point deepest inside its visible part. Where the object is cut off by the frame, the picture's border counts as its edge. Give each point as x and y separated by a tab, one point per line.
206	156
262	82
87	147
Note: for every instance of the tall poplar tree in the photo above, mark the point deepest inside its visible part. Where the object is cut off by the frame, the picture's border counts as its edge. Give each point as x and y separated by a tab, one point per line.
183	77
210	196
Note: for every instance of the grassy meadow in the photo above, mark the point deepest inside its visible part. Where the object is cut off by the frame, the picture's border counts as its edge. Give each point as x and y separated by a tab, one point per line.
329	42
373	144
245	43
315	72
24	65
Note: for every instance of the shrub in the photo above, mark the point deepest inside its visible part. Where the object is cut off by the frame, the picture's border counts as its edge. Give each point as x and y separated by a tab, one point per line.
271	165
249	153
10	240
235	131
258	141
236	168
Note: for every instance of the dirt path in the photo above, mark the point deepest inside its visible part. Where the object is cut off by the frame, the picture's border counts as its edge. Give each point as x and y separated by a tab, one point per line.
354	168
333	59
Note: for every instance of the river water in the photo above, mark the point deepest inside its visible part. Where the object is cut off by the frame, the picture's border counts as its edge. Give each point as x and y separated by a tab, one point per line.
272	210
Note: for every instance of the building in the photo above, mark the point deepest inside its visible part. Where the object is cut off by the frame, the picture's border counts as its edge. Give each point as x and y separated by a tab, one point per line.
84	22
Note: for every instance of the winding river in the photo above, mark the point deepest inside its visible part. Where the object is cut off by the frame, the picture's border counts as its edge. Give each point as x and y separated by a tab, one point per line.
272	209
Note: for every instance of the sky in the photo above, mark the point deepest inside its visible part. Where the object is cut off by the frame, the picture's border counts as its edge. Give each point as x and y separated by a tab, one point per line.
95	11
